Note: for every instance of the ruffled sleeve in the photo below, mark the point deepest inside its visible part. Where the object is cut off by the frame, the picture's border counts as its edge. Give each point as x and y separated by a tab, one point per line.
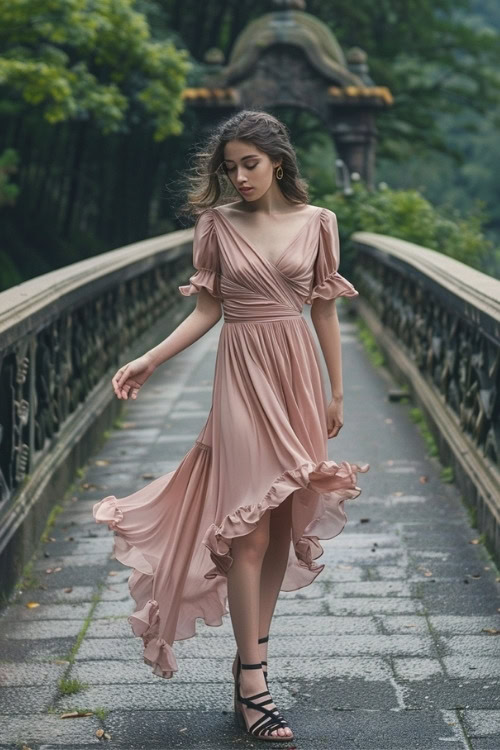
205	258
327	282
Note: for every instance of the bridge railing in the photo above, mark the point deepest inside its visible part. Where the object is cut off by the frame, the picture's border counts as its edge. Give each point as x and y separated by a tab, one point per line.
438	322
62	337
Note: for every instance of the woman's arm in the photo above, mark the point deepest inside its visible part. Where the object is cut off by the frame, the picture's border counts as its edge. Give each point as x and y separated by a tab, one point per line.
326	324
206	314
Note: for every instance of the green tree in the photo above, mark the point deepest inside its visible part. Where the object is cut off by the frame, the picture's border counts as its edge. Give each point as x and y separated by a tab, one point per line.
87	60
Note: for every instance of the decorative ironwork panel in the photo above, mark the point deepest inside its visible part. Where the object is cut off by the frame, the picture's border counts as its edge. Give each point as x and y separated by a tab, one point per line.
443	335
54	366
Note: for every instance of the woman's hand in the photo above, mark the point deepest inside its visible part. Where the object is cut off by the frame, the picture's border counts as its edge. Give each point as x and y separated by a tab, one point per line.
335	416
130	377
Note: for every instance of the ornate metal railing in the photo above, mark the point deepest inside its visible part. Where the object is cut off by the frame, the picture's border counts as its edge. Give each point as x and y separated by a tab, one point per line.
62	335
439	320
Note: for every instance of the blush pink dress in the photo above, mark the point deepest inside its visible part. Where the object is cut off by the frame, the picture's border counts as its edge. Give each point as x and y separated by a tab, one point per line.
265	438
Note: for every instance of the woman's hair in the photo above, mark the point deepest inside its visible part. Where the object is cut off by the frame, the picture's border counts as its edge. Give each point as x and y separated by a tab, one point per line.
209	183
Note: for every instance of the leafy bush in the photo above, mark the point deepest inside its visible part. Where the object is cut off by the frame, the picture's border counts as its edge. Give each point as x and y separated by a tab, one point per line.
406	214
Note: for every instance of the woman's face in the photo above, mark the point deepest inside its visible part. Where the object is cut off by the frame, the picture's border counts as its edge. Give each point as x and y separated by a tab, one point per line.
250	170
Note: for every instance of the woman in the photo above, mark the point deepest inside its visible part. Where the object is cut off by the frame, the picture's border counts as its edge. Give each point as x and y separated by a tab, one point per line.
241	516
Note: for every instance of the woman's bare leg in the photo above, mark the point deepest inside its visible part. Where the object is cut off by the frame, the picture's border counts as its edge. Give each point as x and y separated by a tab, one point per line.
274	567
243	588
273	570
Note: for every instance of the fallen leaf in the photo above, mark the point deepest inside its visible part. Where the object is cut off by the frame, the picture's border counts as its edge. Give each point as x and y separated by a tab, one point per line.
497	579
388	420
149	476
52	539
184	729
398	493
491	631
32	605
88	486
49	570
127	425
68	590
475	575
102	462
76	714
364	520
113	573
423	479
25	747
106	736
56	570
99	732
474	541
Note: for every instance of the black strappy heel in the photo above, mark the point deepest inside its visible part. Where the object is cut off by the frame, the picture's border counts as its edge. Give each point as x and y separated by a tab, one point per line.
271	718
264	663
238	663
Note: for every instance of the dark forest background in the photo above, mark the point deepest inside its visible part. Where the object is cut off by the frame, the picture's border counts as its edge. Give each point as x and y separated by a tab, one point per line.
94	134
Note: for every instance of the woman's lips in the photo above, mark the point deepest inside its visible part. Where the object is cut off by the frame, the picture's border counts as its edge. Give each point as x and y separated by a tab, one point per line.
245	190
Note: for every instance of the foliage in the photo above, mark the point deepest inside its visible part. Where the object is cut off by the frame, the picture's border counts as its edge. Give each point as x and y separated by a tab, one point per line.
89	60
408	215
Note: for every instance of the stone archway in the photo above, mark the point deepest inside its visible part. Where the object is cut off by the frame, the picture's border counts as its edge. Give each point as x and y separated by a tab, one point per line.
288	57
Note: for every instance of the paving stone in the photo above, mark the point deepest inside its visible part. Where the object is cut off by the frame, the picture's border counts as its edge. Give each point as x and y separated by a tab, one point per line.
115	608
20	613
464	625
370	588
483	723
26	631
471	665
364	606
18	675
60	733
414	624
13	650
479	645
458	598
451	694
26	700
385	572
416	669
82	575
82	594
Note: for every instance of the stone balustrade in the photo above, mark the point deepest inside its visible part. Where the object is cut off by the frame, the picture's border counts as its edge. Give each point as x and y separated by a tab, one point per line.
438	322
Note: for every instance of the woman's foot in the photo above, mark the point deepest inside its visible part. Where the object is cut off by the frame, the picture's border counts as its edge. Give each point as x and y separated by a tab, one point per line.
252	685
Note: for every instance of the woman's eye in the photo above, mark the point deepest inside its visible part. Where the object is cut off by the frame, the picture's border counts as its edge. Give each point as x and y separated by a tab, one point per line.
249	166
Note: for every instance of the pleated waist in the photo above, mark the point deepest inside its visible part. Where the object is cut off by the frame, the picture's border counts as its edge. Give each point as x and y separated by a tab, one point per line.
262	319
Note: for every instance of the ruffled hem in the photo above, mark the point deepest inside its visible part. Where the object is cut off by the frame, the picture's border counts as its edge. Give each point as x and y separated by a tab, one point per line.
204	277
333	286
157	652
331	482
334	483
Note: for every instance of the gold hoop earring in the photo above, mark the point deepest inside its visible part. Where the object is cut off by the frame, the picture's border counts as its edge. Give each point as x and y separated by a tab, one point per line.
279	172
